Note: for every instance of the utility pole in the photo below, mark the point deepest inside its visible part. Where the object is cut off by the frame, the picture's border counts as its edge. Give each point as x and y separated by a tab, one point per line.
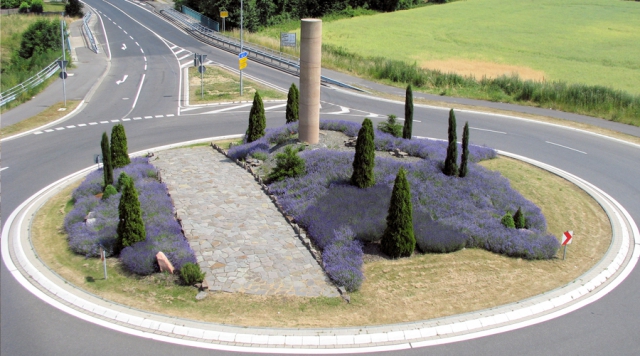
64	60
241	41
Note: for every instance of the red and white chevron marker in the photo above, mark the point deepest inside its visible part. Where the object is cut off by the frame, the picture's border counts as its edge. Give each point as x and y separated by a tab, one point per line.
567	238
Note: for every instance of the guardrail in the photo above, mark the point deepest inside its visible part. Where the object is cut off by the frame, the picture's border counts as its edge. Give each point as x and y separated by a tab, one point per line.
87	30
11	94
259	53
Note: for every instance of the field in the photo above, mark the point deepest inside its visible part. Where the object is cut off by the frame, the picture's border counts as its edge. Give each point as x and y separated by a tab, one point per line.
593	42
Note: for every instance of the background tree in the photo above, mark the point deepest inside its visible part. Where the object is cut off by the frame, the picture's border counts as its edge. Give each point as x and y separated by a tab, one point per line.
74	8
293	104
107	167
119	150
398	239
36	6
464	169
257	119
450	163
130	227
408	114
365	156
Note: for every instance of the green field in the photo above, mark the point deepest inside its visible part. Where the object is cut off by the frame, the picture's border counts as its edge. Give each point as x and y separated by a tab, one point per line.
593	42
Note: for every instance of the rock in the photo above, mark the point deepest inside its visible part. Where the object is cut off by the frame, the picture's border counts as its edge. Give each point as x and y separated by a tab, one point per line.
164	263
150	154
90	216
397	153
201	295
351	142
90	222
342	290
346	298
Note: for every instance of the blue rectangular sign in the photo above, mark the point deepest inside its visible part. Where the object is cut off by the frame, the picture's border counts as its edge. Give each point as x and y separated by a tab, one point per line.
242	55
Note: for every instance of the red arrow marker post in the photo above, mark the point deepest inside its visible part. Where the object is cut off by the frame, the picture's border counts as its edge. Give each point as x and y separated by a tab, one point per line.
567	238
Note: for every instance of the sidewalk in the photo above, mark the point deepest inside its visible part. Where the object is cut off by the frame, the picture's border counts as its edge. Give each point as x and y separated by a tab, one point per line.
88	68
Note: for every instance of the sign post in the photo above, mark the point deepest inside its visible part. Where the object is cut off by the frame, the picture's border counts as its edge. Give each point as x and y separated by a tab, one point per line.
567	238
103	257
242	60
223	15
241	40
63	65
198	61
287	40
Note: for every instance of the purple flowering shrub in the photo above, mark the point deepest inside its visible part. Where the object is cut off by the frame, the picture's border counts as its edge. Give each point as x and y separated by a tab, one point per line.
273	136
163	231
342	259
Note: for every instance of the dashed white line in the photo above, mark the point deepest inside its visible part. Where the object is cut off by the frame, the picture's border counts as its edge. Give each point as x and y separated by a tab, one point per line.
145	58
48	130
126	119
227	109
274	107
82	125
170	115
145	67
93	123
71	126
159	116
104	122
116	120
475	128
569	148
137	118
148	117
59	128
141	50
125	32
137	44
38	132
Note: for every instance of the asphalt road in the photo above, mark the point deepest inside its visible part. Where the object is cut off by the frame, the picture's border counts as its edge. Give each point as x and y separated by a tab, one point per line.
30	327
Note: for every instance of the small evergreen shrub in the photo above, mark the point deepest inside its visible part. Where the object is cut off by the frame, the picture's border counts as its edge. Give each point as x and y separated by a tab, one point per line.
109	191
119	150
107	168
191	274
391	126
293	102
130	226
408	114
257	120
288	165
519	220
507	221
122	180
398	239
450	163
364	159
464	161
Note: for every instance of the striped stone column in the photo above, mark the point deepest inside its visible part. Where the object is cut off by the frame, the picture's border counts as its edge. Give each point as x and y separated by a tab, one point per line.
310	56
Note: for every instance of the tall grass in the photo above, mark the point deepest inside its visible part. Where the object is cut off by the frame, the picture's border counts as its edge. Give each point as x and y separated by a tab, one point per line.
593	100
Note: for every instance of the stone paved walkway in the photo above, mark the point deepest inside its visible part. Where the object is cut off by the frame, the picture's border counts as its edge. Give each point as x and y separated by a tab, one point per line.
240	238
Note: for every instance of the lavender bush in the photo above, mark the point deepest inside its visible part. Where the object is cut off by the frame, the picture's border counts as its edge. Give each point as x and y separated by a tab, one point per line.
163	231
342	259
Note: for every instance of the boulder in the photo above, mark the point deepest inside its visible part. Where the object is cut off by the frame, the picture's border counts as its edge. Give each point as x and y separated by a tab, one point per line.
164	263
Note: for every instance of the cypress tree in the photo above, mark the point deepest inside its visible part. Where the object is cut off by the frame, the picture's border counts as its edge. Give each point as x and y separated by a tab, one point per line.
119	150
450	163
398	239
408	114
257	119
464	169
364	159
107	167
130	227
293	98
518	219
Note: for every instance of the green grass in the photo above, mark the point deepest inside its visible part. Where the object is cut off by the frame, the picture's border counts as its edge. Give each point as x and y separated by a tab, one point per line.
221	85
595	42
53	6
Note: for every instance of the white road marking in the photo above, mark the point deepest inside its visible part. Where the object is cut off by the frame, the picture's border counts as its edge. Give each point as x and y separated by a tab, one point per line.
402	119
116	120
38	132
141	50
59	128
185	64
48	130
274	107
227	109
569	148
148	117
170	115
91	123
373	115
181	50
343	110
124	46
120	27
145	58
145	67
174	46
139	90
125	32
181	58
127	119
104	122
159	116
138	45
137	118
130	37
82	125
3	168
123	79
71	126
475	128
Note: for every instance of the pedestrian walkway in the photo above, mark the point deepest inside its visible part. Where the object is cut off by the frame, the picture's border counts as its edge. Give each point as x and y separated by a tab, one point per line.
240	238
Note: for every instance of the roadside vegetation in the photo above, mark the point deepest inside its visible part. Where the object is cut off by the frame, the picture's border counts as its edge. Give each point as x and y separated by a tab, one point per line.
48	115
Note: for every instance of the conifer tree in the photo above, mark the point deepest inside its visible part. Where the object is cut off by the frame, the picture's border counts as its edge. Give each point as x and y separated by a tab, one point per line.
464	169
293	98
398	239
130	227
450	163
119	150
364	159
518	219
257	119
107	167
408	114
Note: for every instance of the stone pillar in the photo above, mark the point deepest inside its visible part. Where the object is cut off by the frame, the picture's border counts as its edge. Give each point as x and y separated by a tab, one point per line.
310	55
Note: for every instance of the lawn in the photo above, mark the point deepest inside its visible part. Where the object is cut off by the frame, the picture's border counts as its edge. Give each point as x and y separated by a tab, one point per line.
595	42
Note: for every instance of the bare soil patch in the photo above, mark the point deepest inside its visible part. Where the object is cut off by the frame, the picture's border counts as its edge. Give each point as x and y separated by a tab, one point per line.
479	69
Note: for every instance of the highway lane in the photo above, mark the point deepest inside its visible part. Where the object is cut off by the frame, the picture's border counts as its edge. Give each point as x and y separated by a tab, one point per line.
29	327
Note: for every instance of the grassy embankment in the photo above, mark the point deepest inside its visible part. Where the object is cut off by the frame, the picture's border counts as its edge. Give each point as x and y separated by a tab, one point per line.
569	55
408	289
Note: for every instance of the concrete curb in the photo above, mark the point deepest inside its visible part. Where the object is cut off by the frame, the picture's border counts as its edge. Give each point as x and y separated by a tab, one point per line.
24	264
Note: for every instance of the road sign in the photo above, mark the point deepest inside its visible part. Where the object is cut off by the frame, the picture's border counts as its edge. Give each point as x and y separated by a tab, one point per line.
287	39
567	238
242	55
63	75
242	63
62	64
224	14
202	69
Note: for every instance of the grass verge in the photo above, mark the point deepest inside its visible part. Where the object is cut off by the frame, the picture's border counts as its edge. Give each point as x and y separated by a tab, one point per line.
418	288
221	85
48	115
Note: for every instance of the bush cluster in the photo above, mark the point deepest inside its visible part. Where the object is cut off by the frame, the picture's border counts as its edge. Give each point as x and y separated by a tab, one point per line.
288	164
191	274
391	126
